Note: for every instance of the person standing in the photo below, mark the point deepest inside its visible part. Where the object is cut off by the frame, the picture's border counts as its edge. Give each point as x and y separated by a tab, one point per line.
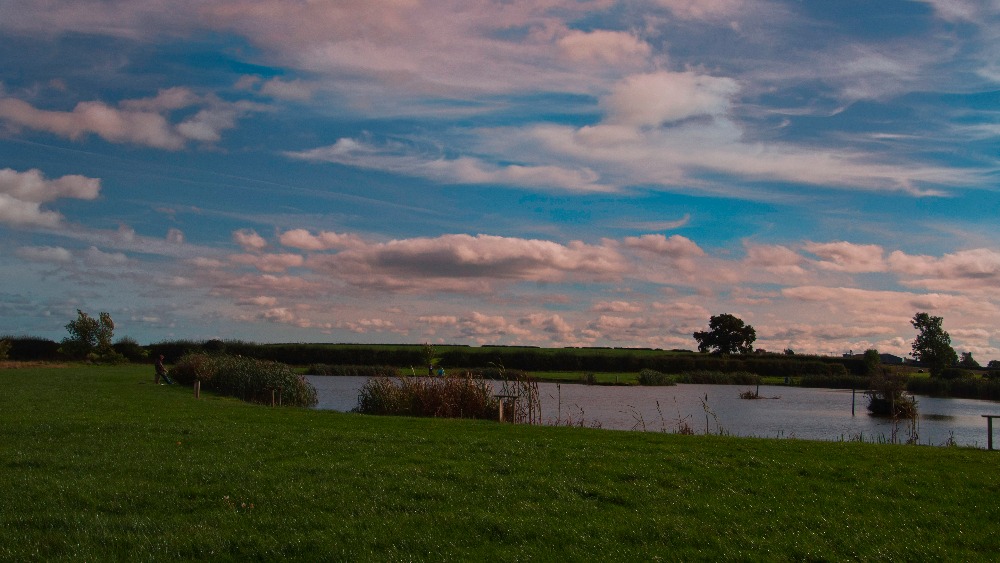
161	371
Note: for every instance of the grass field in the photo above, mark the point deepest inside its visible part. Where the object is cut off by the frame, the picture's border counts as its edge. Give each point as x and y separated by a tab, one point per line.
98	464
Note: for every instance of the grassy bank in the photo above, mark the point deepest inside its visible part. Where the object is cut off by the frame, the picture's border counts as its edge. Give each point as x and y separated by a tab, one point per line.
99	464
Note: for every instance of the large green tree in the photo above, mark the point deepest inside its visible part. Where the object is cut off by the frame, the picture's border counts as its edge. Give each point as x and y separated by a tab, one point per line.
88	336
727	334
933	344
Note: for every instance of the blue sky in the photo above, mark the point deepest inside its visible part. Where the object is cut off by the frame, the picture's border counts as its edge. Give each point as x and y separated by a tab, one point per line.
553	173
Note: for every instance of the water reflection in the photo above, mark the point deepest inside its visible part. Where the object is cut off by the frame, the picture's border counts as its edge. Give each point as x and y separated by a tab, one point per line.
787	412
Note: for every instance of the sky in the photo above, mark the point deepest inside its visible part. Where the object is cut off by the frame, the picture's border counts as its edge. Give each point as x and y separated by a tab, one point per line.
549	173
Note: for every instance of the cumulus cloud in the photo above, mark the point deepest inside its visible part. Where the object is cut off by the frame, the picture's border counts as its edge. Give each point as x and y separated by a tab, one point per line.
324	240
142	121
651	100
976	269
249	240
776	259
848	257
22	193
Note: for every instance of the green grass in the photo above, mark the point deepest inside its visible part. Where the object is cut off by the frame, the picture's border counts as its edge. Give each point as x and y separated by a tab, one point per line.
99	464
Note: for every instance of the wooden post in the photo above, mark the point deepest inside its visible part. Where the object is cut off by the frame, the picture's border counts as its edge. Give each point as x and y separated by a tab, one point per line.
989	430
852	401
197	388
272	397
501	409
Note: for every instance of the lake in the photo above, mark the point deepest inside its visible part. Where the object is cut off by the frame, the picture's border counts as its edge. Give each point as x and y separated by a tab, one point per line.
789	412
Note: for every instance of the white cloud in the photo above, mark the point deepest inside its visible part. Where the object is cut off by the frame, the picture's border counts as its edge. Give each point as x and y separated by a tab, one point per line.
324	240
844	256
272	263
53	254
175	236
22	193
652	100
140	121
297	90
676	246
96	257
249	240
603	47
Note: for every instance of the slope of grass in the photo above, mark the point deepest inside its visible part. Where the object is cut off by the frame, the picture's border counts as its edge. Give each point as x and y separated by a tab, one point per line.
99	464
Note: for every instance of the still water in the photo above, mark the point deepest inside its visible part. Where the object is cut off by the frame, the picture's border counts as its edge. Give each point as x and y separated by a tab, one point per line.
787	412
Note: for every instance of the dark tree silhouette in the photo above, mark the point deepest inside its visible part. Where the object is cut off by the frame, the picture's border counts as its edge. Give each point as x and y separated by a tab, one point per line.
933	345
727	334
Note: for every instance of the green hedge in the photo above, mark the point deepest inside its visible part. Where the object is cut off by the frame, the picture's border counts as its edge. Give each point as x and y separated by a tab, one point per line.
530	359
352	371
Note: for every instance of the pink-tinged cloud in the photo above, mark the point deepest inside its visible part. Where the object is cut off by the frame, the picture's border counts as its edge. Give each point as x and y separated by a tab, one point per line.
651	100
251	285
404	160
977	269
203	263
617	307
94	256
675	247
259	301
703	9
324	240
23	193
52	254
271	263
432	263
141	121
848	257
551	324
249	240
604	47
295	90
775	259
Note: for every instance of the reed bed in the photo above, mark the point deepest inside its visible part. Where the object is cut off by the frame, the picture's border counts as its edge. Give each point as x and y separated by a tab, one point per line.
254	381
451	396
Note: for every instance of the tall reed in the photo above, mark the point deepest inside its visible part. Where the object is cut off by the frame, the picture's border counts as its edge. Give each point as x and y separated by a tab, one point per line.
451	396
255	381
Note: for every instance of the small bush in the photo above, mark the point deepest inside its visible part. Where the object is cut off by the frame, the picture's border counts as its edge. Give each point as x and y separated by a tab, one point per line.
955	373
449	397
4	349
888	396
247	378
653	377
